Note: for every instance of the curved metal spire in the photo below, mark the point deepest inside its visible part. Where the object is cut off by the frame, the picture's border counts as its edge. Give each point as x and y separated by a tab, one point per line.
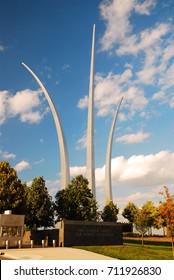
90	162
108	185
65	173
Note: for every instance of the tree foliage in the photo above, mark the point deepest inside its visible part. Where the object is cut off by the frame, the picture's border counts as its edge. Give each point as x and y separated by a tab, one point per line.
110	212
141	223
40	210
129	212
144	218
12	191
76	202
151	213
166	210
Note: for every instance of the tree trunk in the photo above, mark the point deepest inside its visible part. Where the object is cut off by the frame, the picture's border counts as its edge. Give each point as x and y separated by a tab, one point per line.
164	231
142	236
172	247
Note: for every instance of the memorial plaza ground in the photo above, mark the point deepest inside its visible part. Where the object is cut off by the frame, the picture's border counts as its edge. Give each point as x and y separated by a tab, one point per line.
56	253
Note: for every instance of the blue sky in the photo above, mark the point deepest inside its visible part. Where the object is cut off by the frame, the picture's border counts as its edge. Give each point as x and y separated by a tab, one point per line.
134	58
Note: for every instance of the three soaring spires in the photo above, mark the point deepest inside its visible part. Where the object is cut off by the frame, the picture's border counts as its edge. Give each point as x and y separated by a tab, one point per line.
90	159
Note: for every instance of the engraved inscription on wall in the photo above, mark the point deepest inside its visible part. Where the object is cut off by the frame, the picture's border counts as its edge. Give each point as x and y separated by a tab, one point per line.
98	232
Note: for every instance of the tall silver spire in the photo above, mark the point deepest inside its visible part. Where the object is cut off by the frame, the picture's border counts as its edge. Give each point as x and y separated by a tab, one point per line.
108	185
65	173
90	162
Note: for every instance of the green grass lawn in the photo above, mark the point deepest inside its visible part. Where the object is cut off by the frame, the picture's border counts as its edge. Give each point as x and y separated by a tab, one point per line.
131	250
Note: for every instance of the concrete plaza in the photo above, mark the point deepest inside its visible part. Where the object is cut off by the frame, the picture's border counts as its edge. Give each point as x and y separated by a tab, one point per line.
57	253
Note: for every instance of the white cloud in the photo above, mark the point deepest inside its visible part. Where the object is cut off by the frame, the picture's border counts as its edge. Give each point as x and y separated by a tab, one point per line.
117	14
23	101
53	187
172	102
7	155
22	165
29	183
81	143
2	48
154	46
138	198
166	81
27	104
3	106
31	117
83	102
136	171
145	7
143	41
154	49
144	170
109	90
133	176
138	137
76	170
147	75
39	161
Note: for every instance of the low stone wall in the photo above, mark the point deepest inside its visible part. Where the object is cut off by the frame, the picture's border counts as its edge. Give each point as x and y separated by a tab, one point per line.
79	233
47	235
11	230
26	238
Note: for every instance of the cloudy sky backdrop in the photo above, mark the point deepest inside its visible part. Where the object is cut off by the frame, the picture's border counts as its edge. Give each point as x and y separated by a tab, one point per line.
134	58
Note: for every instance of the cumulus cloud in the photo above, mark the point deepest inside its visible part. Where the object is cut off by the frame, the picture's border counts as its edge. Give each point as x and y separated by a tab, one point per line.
27	104
22	166
143	41
116	15
23	101
7	155
138	137
153	50
108	91
137	170
76	170
53	187
83	102
154	45
31	117
138	198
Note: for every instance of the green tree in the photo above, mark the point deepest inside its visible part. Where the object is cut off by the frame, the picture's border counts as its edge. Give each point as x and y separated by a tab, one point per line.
110	212
166	210
76	202
151	213
12	191
40	210
144	218
141	223
129	212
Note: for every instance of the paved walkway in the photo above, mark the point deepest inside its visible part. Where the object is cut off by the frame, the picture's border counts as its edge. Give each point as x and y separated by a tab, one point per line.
57	253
